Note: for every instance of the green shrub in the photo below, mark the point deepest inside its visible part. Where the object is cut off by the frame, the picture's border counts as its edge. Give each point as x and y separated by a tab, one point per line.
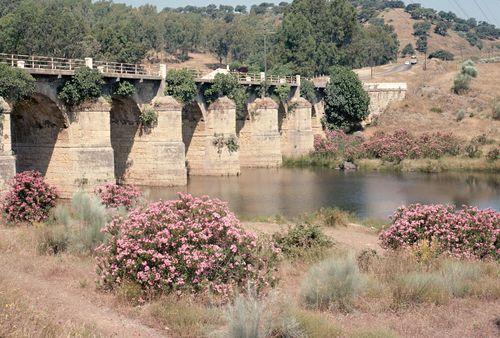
469	70
495	114
472	150
461	83
125	89
459	276
180	83
308	90
148	117
301	240
52	239
436	110
408	50
442	55
246	318
316	324
332	217
333	283
85	85
227	85
282	91
91	213
493	155
461	115
418	287
15	84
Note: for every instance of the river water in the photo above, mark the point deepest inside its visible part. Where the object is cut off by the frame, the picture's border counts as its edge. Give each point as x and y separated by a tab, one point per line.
290	192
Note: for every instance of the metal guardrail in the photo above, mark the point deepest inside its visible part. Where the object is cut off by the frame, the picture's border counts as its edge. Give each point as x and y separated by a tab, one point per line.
51	65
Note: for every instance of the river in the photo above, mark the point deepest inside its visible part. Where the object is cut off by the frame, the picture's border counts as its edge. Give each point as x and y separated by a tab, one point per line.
290	192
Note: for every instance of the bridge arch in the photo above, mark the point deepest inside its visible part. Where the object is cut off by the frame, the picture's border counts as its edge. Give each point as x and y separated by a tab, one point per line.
36	126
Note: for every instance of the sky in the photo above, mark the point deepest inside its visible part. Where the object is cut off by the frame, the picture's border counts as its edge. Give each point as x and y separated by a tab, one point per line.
463	8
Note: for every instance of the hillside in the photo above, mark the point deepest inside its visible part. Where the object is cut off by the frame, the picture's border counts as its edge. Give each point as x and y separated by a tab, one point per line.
431	106
452	42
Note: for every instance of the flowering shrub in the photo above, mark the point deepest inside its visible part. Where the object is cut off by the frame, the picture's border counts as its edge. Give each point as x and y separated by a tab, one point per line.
29	198
113	195
466	233
393	147
193	244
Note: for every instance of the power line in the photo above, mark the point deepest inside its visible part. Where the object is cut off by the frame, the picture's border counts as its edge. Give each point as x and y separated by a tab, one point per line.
481	9
461	9
491	12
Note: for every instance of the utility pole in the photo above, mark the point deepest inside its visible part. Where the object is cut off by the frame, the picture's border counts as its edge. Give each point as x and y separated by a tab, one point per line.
425	59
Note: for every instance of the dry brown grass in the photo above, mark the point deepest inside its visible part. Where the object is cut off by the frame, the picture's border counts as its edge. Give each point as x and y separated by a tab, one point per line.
56	296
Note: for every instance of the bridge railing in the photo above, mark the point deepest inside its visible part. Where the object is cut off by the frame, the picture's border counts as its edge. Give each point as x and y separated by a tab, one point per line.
53	65
41	62
127	68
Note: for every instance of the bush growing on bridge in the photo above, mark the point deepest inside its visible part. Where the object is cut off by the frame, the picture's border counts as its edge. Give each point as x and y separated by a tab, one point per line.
191	244
180	84
465	233
227	85
125	89
308	90
85	85
346	102
29	198
282	91
15	83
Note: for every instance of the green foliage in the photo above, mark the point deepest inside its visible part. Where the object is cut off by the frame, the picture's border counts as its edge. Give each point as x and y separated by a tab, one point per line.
232	144
422	44
332	284
461	83
181	85
91	213
472	150
441	28
52	239
148	117
282	91
300	239
15	84
408	50
495	114
227	85
125	89
421	28
85	85
416	288
461	115
308	90
469	70
442	55
346	102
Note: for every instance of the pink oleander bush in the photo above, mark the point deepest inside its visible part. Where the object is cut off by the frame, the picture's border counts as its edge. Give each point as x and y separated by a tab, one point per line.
465	233
392	147
189	244
29	198
113	195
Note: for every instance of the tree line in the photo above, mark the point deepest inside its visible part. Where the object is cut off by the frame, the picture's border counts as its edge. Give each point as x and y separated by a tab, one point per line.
304	37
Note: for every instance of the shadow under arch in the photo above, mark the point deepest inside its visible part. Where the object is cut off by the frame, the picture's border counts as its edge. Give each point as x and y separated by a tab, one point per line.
37	124
124	124
193	128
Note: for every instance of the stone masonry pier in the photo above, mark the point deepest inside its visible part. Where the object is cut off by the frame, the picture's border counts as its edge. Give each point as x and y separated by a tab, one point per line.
105	140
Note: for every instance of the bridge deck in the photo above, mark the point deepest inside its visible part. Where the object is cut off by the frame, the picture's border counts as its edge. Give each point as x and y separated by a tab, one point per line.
43	65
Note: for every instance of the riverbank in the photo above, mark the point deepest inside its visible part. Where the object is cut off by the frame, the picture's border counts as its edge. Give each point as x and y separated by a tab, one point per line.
444	164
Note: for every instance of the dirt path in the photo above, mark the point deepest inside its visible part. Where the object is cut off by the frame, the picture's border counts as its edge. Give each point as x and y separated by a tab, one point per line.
64	306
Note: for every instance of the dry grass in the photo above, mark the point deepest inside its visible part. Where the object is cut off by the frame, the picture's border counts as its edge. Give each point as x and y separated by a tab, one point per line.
394	300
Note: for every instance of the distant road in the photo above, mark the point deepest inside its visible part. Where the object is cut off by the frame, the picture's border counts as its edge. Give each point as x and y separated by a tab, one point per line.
365	74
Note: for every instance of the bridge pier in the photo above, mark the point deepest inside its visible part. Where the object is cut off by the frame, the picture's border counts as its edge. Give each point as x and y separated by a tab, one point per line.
209	139
260	143
7	159
73	151
296	130
152	156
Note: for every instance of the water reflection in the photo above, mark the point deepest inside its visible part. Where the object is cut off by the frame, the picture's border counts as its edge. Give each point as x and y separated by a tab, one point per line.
295	191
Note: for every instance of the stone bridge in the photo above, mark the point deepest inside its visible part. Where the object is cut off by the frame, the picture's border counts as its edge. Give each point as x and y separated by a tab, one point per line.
105	141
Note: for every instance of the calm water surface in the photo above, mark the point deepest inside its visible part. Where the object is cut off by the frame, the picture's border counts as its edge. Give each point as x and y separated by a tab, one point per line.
290	192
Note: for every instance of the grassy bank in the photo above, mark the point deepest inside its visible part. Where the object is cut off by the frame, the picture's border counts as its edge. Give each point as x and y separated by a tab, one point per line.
408	165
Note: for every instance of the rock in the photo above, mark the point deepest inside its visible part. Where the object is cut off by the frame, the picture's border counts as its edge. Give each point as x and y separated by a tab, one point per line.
346	165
